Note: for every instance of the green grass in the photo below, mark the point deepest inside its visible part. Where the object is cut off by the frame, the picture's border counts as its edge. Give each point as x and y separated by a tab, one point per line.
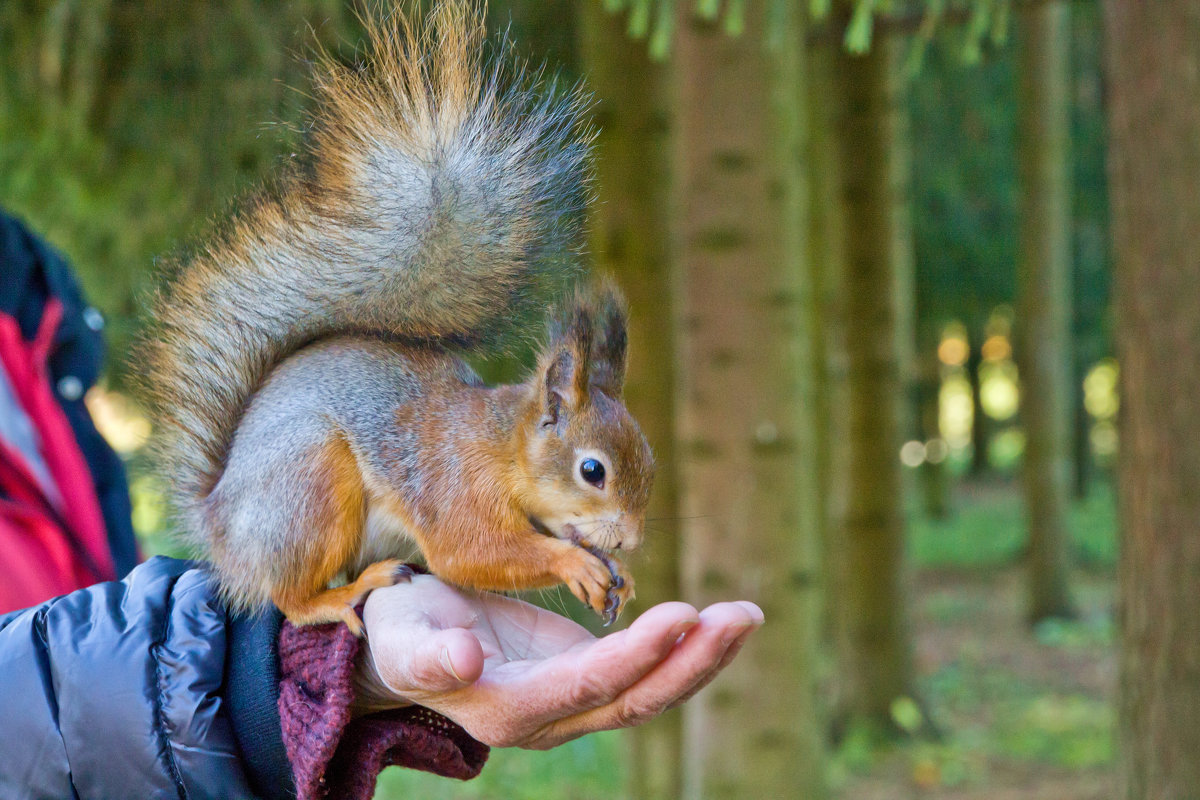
591	768
1012	714
992	532
997	718
1073	731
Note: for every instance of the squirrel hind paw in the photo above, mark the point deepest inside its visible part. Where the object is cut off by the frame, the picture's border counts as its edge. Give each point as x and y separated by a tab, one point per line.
353	622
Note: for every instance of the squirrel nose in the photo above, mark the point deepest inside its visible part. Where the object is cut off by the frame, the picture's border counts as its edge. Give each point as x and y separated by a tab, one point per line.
631	535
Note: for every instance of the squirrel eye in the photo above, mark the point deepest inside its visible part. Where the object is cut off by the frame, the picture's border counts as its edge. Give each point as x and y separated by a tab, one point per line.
592	471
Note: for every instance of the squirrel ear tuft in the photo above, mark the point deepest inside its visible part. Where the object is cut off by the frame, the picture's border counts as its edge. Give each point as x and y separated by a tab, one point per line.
610	343
555	384
566	370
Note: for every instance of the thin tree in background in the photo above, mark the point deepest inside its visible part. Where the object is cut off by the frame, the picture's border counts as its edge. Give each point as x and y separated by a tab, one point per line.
1091	260
1043	350
875	651
1152	52
747	486
825	257
981	424
934	476
629	238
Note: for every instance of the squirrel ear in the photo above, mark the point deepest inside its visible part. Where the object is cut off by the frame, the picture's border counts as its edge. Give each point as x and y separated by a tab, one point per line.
556	387
611	342
567	360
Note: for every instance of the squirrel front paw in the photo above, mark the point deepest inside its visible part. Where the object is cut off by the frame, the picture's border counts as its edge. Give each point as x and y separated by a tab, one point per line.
598	580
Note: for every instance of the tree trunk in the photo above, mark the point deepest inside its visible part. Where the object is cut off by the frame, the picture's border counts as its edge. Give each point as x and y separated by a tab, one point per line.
935	478
903	254
1153	55
980	424
825	257
747	488
1081	424
629	239
874	645
1044	301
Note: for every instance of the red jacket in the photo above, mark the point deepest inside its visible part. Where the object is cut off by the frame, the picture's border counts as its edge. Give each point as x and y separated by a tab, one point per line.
50	351
50	547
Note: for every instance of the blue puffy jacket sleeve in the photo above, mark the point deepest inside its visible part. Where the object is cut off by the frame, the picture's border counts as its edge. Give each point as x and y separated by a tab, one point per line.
123	690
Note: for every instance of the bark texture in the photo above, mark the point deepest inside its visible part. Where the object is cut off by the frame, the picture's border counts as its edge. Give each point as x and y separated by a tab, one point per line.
875	652
1153	75
629	239
1044	354
747	488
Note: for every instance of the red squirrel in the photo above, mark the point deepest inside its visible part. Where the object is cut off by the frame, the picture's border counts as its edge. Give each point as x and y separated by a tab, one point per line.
315	415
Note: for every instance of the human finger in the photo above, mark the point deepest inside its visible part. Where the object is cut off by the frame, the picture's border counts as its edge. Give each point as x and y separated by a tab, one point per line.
424	662
520	699
595	673
692	663
730	653
740	635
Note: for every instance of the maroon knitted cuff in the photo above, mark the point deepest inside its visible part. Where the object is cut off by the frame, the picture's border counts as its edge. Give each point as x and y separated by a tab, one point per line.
334	756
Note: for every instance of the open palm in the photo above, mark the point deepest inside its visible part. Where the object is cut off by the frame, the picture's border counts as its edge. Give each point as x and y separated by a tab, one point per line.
515	675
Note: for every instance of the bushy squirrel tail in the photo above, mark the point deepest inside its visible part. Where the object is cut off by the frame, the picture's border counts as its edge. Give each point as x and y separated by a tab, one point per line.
438	196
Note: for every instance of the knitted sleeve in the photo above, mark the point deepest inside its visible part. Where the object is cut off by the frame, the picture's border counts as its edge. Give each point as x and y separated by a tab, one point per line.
334	756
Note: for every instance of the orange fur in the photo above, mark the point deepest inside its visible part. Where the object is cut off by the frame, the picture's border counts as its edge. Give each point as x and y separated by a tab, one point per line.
303	597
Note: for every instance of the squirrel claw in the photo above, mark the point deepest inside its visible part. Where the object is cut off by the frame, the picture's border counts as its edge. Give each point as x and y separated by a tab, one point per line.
611	606
614	595
600	581
403	574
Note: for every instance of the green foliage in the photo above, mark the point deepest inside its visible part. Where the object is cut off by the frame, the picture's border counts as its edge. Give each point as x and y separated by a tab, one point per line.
965	188
1028	722
138	120
907	715
964	183
1094	631
1007	701
1092	258
858	33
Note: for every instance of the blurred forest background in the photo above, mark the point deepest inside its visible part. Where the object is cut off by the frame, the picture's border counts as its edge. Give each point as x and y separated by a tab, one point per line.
870	249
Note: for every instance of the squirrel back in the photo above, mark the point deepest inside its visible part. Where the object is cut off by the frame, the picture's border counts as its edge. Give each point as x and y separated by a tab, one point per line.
438	197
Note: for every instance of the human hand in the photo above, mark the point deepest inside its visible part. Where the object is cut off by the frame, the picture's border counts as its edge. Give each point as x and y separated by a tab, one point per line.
514	675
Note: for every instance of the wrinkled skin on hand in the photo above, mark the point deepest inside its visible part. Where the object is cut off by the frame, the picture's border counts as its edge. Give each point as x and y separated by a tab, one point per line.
514	675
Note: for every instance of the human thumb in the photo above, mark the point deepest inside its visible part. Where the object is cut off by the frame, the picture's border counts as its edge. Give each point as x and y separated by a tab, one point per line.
444	661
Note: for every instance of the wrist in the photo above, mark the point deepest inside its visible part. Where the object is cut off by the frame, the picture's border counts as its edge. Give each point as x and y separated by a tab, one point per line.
371	692
333	755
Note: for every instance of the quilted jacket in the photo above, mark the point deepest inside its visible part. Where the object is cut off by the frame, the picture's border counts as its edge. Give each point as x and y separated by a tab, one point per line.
144	688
